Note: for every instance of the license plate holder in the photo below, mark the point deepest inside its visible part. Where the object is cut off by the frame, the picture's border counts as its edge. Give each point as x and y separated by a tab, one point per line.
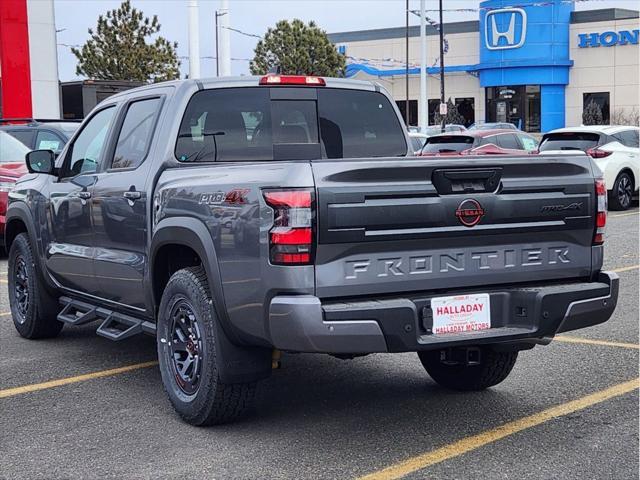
461	314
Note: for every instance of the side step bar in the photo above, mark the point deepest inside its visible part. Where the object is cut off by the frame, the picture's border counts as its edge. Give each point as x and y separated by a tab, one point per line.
115	326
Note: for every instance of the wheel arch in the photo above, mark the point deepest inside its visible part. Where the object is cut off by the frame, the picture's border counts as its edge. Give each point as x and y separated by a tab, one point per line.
241	363
18	220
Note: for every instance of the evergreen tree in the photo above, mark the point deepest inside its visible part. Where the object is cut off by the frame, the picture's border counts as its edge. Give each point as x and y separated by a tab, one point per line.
452	116
297	49
592	115
117	49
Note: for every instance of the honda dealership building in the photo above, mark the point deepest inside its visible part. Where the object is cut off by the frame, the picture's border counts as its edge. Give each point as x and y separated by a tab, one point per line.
537	64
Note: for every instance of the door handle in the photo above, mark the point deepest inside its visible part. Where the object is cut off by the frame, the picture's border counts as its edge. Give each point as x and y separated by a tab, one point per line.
84	195
132	195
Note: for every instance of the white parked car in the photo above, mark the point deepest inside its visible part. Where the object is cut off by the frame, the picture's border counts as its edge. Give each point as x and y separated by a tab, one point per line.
615	150
417	141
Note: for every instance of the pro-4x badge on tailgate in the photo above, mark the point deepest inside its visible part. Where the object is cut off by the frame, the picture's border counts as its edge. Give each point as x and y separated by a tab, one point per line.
469	212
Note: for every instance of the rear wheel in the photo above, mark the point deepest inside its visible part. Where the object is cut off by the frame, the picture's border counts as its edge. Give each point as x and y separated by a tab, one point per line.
188	357
622	192
33	308
468	370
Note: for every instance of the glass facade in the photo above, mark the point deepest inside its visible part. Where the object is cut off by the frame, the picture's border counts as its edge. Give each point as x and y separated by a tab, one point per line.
519	105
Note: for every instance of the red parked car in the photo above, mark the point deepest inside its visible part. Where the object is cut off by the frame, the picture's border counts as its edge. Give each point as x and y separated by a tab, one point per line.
12	167
480	142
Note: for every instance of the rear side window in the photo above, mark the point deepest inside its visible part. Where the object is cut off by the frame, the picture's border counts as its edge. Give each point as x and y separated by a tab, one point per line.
359	124
529	143
569	141
508	140
629	138
135	135
25	136
448	144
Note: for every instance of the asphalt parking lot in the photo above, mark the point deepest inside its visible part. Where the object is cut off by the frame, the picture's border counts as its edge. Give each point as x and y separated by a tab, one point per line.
568	410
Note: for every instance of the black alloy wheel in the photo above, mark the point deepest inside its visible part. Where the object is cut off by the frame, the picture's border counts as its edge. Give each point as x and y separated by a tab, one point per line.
186	347
21	289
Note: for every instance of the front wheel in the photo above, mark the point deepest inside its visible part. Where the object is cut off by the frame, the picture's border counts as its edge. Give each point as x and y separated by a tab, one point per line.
187	354
622	192
487	368
33	308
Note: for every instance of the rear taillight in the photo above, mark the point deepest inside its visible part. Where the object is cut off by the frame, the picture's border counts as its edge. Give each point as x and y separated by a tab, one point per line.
292	80
601	213
597	153
291	237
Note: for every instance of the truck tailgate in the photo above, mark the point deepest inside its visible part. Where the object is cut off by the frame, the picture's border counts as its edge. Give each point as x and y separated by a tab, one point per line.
410	224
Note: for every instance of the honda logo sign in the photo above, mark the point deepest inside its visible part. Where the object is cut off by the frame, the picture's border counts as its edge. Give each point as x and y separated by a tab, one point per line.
500	32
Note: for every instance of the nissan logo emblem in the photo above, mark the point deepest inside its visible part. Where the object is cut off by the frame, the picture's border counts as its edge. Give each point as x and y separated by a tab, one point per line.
469	212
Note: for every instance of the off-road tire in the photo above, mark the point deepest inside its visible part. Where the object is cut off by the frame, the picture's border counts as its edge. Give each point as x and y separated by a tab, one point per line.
494	367
38	317
212	402
621	195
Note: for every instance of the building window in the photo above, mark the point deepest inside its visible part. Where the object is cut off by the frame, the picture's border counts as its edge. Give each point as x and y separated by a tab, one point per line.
434	107
466	108
602	100
413	111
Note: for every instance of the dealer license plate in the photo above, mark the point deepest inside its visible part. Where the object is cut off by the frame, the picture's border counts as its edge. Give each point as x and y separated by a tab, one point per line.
460	314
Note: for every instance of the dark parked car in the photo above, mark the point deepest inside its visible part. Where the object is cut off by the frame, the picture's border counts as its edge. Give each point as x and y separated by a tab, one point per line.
480	142
39	134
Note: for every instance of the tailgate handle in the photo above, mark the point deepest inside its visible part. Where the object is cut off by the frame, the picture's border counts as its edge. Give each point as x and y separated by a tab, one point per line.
466	181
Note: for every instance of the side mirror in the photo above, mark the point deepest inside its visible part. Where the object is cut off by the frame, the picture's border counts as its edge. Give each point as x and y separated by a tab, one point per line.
41	161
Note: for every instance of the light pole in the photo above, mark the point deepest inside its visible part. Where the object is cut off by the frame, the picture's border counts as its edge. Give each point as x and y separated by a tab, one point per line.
442	121
217	43
406	67
423	108
194	40
423	69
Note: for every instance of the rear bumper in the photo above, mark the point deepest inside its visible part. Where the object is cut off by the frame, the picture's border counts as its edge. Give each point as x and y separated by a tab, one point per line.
524	315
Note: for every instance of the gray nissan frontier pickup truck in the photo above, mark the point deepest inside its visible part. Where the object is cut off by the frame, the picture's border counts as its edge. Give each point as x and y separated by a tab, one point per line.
233	218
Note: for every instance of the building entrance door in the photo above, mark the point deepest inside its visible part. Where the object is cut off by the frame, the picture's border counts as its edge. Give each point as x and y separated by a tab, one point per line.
519	105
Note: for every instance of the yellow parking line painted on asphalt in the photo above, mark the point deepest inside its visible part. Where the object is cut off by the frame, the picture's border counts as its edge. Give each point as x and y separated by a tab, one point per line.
589	341
4	314
10	392
474	442
624	269
624	214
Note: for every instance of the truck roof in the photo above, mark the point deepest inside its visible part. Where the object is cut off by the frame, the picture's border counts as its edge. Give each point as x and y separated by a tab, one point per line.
249	81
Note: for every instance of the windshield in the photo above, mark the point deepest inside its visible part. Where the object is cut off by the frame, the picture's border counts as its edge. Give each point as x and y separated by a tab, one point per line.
569	141
448	144
11	150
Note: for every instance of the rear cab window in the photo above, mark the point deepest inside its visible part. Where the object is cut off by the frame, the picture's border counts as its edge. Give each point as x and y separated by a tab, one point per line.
570	141
235	124
448	144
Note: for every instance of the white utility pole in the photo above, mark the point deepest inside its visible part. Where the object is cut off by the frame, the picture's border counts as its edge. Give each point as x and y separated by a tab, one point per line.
194	40
225	39
424	113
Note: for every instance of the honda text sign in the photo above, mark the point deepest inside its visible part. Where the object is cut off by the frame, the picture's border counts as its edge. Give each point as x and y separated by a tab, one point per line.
505	28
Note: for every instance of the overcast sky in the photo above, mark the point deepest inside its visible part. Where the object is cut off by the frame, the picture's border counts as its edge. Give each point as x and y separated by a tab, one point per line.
74	17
